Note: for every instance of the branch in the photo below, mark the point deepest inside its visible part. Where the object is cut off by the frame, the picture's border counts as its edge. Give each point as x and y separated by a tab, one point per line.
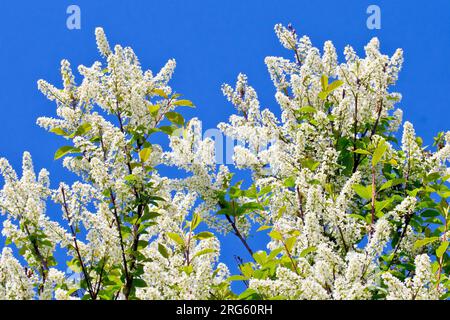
77	249
239	235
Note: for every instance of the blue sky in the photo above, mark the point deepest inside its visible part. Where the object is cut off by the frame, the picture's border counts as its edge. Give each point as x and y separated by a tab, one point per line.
212	42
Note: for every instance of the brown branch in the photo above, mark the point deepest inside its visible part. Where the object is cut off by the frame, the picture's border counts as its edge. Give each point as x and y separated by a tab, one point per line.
239	235
77	249
374	194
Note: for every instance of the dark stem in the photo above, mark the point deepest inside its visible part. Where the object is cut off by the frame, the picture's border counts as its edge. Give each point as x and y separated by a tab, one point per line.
239	235
77	249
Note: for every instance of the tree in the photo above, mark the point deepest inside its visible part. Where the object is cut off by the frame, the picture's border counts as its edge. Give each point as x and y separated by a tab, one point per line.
352	213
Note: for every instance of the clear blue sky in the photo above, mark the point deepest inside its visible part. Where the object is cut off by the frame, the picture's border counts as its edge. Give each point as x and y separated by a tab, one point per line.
212	42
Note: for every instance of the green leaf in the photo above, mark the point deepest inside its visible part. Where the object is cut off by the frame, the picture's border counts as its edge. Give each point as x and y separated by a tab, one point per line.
61	152
379	152
423	242
8	241
83	129
361	151
307	109
160	93
262	228
310	164
430	213
196	219
144	154
204	235
391	183
249	294
176	237
324	82
290	242
236	278
289	182
153	109
306	251
442	249
260	257
59	131
184	103
139	283
163	250
74	265
175	117
203	252
334	85
274	234
188	269
169	130
323	95
364	192
246	270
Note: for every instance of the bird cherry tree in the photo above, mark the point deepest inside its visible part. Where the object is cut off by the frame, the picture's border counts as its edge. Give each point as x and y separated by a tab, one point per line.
351	212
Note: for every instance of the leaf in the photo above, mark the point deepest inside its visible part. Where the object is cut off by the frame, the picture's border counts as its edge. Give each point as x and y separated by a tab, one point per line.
391	183
130	178
163	250
188	269
184	103
274	253
176	237
290	242
144	154
246	270
364	192
324	82
236	278
139	283
249	207
260	257
274	234
249	294
59	131
307	250
169	130
153	109
262	228
175	117
196	219
310	164
289	182
203	252
61	152
204	235
442	249
362	151
83	129
74	265
307	109
423	242
323	95
393	162
379	152
334	85
160	93
429	213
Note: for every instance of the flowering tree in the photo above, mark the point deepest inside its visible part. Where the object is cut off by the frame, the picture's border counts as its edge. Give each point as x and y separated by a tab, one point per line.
351	213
